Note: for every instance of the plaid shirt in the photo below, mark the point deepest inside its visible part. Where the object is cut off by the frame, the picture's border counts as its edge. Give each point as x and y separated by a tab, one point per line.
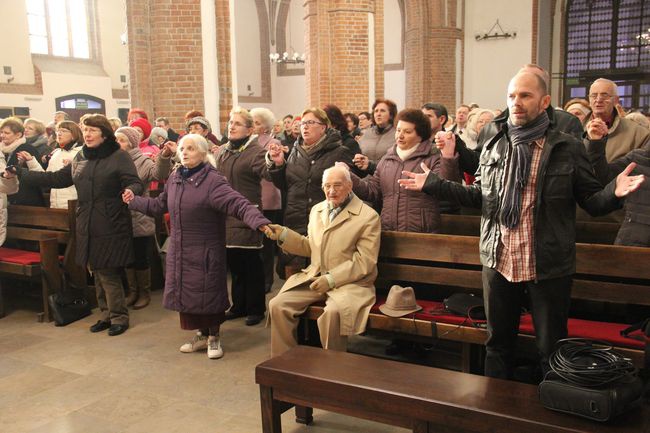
516	250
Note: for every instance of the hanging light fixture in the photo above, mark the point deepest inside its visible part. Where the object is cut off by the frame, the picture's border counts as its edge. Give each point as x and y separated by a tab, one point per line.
294	58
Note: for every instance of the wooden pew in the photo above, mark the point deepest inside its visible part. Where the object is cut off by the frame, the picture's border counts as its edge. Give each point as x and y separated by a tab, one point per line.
450	263
49	228
587	231
422	399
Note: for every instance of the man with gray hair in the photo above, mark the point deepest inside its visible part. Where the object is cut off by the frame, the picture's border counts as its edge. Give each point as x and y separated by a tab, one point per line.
605	127
343	244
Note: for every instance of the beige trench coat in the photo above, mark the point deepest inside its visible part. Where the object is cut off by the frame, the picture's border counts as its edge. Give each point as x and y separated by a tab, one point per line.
347	248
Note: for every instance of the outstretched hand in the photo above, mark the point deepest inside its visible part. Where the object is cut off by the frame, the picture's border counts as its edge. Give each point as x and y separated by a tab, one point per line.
273	231
446	143
626	184
415	181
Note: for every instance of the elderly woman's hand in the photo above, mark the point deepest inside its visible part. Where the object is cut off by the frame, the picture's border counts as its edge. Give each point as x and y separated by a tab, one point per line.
361	161
24	156
273	231
127	196
169	149
276	154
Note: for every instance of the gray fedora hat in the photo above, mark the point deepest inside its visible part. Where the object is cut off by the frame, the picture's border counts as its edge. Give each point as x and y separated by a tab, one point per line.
400	302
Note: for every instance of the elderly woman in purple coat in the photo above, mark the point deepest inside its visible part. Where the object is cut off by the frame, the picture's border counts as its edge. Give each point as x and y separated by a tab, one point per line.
198	200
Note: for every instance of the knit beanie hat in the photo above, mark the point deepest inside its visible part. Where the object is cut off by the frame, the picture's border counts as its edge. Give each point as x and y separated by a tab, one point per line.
158	132
201	121
132	134
142	124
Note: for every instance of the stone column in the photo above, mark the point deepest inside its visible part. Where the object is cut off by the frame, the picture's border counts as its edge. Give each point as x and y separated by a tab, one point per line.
342	68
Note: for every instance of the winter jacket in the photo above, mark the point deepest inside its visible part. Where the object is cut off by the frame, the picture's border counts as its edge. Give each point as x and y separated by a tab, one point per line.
40	143
244	168
271	196
148	171
301	176
104	232
196	271
7	186
623	137
60	158
28	194
564	177
635	228
403	210
374	144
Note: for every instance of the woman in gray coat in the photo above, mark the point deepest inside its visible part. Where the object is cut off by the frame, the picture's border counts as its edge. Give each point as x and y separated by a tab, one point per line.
198	200
138	274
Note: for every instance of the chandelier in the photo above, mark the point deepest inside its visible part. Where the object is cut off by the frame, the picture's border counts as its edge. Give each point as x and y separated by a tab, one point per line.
294	58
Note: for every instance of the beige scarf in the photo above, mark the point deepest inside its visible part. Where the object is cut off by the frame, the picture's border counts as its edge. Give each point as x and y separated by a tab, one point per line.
8	149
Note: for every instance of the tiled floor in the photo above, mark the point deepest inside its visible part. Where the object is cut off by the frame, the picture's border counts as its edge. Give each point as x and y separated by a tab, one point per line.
67	380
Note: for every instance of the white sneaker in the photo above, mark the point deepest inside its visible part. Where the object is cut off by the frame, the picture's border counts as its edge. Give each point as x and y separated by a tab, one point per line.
199	342
214	347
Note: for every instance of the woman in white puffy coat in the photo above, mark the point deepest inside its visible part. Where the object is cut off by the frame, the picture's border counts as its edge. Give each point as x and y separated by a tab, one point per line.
69	139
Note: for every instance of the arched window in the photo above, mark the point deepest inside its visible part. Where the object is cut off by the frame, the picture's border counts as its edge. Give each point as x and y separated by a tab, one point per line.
610	39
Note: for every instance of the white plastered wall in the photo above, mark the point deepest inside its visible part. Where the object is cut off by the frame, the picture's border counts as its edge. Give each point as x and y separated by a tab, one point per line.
394	80
489	64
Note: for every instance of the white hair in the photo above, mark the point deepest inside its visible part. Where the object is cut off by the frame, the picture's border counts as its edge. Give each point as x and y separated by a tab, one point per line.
610	82
201	143
265	115
334	168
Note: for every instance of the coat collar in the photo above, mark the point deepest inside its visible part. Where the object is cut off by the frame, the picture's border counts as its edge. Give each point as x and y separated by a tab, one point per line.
423	149
353	208
198	177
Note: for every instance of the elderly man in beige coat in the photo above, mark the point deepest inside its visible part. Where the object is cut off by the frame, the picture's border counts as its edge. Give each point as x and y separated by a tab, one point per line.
343	244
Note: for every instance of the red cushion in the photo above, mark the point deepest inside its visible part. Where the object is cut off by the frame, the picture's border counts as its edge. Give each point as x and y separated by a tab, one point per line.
19	256
593	330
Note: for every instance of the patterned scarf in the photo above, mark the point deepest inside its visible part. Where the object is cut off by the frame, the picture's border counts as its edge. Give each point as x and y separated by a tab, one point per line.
521	156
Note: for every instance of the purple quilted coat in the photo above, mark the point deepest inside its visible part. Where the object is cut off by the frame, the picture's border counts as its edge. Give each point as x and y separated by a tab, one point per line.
195	280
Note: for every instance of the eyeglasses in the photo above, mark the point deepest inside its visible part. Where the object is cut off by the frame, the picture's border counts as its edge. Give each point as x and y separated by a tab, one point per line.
310	123
600	96
61	131
236	124
333	186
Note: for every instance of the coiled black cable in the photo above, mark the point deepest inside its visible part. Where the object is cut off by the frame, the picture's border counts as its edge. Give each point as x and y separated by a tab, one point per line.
579	362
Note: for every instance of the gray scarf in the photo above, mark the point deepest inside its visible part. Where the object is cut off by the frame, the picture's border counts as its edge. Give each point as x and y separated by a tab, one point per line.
521	156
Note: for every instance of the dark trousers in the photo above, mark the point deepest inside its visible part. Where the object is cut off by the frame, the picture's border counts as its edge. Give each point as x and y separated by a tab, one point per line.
247	275
270	249
142	250
549	302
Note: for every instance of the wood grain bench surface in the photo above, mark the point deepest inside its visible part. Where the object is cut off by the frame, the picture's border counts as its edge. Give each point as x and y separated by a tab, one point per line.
424	399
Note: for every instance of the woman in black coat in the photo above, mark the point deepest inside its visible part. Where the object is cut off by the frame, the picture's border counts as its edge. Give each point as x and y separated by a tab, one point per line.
101	172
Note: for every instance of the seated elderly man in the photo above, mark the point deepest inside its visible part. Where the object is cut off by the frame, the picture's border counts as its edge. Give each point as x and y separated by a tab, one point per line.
343	244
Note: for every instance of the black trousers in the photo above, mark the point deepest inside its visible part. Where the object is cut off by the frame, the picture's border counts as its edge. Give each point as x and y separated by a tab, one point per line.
549	302
247	275
270	249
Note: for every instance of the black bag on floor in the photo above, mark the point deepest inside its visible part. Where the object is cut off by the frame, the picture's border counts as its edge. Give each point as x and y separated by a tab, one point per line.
69	305
68	308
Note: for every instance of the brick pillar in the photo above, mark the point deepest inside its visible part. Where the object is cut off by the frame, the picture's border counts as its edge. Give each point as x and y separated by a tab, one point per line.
430	52
336	44
165	57
224	59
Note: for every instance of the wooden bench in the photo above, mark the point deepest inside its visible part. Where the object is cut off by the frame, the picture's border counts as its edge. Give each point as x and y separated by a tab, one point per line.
422	399
587	231
450	263
49	228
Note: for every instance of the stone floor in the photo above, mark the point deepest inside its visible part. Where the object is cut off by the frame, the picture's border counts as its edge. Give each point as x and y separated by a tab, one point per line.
67	380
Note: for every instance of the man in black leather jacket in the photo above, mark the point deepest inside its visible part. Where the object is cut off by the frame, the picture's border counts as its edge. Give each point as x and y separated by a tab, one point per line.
529	180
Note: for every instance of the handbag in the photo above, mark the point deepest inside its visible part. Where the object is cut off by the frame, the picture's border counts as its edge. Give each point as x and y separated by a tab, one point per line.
466	305
68	306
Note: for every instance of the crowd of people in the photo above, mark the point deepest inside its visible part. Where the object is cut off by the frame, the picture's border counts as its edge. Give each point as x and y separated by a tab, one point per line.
306	197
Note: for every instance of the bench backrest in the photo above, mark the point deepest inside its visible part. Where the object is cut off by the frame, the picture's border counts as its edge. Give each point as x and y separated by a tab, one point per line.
34	223
590	232
609	273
